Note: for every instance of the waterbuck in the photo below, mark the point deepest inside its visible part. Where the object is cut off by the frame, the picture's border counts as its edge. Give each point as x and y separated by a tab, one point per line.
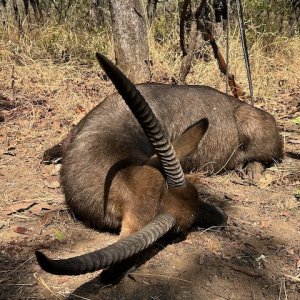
120	171
238	133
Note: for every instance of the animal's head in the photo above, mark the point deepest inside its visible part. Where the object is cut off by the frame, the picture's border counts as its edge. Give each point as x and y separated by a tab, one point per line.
179	205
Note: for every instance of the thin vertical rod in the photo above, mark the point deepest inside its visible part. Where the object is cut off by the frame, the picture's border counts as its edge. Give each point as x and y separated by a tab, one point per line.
227	46
245	48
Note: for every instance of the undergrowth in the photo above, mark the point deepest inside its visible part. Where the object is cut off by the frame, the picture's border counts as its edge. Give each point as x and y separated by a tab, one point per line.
51	53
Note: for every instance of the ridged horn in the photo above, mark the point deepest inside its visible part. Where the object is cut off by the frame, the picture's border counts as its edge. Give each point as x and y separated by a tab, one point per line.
147	120
112	254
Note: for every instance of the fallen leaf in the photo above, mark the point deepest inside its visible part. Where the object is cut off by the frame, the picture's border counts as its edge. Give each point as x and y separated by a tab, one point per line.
10	151
2	138
266	181
56	125
62	279
290	251
265	223
39	208
46	219
17	207
79	109
20	230
285	214
296	121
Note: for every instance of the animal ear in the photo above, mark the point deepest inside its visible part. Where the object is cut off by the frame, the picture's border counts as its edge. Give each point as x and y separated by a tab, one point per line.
188	142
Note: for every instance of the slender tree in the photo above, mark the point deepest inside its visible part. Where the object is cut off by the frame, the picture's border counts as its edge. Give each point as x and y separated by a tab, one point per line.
17	16
130	38
151	9
3	13
97	12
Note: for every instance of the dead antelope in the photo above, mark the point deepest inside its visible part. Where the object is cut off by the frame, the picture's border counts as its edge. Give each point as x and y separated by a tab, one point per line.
238	133
120	171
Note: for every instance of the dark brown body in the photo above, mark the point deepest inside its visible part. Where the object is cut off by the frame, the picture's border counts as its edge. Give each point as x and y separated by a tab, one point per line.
108	149
120	170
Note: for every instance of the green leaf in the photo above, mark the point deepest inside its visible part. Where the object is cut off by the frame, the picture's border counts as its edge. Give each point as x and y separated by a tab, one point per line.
296	120
59	235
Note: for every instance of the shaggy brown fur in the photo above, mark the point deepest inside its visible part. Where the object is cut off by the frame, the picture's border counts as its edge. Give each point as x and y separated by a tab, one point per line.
108	151
113	177
238	133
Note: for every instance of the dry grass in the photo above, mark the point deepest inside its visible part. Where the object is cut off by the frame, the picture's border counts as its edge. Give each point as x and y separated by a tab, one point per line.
272	64
43	52
43	63
56	64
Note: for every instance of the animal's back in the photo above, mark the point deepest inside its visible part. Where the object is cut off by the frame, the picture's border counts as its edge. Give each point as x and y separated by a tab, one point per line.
181	106
109	139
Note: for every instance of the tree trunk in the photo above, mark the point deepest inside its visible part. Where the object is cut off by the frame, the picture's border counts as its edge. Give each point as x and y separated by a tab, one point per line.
130	39
3	13
26	7
40	11
294	17
37	12
97	12
151	9
17	16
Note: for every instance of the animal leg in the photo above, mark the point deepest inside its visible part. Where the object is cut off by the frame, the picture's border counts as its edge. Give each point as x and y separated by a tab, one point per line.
56	153
52	154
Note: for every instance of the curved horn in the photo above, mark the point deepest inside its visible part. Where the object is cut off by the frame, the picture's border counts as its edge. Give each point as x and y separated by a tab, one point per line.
112	254
146	118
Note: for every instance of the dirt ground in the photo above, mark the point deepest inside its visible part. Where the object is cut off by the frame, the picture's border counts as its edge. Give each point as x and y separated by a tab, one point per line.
256	257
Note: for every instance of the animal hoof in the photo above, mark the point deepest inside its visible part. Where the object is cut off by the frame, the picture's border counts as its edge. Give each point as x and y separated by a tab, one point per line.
53	155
